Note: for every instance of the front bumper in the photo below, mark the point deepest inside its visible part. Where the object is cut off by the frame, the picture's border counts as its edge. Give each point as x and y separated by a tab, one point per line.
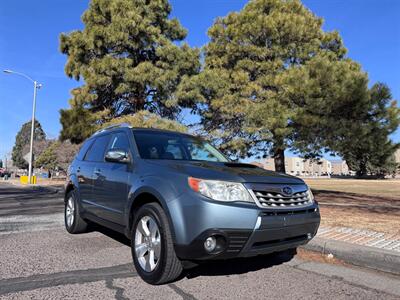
274	231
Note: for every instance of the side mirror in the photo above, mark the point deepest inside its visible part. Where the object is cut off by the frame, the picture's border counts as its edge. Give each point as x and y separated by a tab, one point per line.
117	155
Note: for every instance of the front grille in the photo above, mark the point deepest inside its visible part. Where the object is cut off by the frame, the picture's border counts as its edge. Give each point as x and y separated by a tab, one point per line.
269	199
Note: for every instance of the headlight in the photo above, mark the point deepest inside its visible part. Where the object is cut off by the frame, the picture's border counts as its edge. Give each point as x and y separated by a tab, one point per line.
220	190
310	195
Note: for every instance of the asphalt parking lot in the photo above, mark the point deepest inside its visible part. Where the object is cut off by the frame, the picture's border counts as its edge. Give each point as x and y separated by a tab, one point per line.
40	260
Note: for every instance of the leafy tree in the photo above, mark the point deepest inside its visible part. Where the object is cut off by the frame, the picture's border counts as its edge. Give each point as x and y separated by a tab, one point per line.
130	59
48	158
22	139
66	152
269	70
1	163
38	148
58	155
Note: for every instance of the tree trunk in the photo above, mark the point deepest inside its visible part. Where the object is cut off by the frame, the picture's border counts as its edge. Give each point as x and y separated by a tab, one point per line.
362	170
279	160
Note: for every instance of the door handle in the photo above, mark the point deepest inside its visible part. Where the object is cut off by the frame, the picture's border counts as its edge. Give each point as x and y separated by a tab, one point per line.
97	172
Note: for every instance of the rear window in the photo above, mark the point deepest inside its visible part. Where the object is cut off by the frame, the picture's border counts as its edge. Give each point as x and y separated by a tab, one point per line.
84	148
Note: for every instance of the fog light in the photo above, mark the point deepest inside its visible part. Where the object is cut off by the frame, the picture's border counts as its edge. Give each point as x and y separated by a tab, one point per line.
210	244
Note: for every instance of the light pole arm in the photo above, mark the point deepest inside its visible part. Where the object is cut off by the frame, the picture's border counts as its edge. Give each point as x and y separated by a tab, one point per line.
20	74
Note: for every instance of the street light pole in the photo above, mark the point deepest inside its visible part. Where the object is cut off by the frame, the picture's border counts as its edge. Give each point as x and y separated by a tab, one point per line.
36	86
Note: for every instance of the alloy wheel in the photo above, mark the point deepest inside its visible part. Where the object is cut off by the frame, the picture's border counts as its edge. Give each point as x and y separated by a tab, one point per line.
70	212
147	243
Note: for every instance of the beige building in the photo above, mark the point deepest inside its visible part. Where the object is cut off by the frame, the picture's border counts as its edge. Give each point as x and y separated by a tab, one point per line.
340	168
317	168
397	156
298	166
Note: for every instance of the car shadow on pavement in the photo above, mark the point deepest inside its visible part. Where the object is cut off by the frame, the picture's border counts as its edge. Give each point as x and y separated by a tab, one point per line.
215	268
119	237
239	265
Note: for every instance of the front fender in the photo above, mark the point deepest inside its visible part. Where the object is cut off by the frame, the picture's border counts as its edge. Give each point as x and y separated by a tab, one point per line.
71	183
159	188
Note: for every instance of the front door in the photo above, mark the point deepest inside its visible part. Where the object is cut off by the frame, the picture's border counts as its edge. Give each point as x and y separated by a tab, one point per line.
112	182
94	156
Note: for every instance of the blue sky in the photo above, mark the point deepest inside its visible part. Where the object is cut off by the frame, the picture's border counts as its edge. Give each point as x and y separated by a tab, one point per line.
29	39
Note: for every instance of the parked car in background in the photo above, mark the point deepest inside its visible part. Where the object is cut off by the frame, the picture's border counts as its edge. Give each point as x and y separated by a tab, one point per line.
4	173
178	198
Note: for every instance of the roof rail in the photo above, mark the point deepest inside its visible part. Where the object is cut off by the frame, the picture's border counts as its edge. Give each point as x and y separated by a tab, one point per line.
111	127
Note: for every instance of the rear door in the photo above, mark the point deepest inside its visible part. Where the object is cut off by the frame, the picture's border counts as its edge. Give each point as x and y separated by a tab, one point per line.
112	191
94	156
84	171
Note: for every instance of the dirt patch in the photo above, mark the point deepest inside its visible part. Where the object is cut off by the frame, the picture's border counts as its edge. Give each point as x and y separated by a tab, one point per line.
361	219
318	257
381	188
347	198
374	213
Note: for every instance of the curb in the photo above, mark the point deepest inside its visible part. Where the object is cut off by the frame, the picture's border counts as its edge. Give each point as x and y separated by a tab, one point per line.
42	188
362	256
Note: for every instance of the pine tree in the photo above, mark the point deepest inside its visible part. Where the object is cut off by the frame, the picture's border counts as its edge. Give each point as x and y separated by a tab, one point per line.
270	75
367	147
22	139
131	58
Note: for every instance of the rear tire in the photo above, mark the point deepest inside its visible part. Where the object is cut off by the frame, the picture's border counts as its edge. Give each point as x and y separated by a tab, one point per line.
152	247
72	219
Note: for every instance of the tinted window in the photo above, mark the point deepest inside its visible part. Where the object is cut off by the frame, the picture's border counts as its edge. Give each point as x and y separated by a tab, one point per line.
161	145
201	151
96	152
84	149
119	141
174	151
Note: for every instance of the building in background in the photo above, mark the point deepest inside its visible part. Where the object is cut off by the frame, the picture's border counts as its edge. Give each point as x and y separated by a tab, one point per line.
397	156
340	168
298	166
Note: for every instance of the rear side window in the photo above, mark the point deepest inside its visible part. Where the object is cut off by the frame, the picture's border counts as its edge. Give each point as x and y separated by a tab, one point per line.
84	148
96	152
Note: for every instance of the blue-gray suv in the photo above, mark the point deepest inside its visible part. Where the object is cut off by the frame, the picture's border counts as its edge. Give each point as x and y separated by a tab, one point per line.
177	198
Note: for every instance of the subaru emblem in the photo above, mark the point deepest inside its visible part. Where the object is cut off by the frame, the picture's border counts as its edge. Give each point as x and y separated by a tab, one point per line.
287	191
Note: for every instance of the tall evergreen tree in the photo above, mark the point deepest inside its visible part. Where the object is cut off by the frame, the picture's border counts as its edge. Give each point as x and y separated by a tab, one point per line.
270	71
22	139
367	147
130	59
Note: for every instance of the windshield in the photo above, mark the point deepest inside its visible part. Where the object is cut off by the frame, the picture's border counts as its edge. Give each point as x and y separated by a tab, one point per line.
161	145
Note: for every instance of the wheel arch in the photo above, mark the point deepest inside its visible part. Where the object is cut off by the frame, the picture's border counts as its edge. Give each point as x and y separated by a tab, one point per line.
68	188
142	197
71	184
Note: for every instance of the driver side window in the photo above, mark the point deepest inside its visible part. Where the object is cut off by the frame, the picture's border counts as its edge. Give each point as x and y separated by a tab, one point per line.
119	141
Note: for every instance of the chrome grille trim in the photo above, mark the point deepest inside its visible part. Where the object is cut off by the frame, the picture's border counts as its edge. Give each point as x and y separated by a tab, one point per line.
275	200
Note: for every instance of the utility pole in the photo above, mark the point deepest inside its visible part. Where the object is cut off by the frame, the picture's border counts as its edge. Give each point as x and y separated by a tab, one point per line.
36	86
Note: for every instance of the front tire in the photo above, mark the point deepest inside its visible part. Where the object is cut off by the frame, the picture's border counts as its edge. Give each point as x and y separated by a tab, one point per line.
72	219
152	247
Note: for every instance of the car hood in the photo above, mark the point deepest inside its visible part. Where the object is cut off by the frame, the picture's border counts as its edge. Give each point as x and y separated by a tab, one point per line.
229	171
